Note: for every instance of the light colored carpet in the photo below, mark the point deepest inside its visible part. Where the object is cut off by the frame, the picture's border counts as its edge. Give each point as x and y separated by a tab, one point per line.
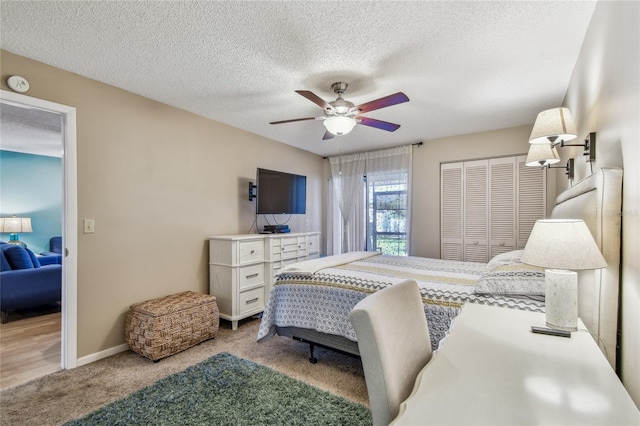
69	394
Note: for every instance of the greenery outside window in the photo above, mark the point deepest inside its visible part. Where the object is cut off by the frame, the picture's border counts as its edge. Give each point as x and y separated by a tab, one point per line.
387	214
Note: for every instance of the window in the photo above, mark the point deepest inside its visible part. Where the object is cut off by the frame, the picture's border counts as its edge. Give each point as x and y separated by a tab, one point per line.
387	214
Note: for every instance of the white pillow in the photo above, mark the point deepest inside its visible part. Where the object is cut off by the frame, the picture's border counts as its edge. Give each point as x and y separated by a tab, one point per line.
508	258
514	280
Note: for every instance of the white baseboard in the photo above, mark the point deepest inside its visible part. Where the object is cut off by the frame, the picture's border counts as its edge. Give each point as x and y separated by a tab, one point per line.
102	354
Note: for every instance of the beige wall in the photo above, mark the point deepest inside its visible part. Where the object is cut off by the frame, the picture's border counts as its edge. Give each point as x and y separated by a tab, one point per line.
603	96
425	209
158	181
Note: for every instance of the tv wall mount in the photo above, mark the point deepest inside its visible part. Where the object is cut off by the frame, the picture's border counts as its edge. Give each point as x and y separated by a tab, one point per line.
252	188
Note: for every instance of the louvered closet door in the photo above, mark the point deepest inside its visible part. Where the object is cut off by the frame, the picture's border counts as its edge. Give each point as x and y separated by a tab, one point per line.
532	199
451	208
475	211
502	201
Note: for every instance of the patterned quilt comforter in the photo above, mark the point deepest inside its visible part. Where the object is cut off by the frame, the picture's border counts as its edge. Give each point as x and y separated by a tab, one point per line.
322	301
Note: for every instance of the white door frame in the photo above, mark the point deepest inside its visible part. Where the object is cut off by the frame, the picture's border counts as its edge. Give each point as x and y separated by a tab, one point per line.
69	342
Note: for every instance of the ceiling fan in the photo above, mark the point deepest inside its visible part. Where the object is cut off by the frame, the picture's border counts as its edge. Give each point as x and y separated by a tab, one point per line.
340	116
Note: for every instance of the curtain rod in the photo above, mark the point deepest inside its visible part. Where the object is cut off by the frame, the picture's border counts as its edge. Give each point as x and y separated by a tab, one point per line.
418	144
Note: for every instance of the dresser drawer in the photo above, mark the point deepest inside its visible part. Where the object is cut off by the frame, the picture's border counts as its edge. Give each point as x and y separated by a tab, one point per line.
289	262
289	241
313	245
275	268
251	251
289	249
251	300
251	275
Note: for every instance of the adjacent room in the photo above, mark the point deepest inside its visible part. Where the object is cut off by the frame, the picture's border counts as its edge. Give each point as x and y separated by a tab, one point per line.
335	212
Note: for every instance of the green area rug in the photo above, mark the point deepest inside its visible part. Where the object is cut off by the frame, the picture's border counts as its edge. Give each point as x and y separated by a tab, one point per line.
227	390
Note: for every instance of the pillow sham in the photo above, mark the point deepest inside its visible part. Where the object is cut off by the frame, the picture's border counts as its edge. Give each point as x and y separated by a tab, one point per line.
514	280
508	258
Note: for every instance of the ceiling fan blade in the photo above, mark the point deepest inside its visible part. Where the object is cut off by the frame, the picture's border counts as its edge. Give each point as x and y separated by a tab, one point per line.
396	98
327	135
291	121
378	124
315	99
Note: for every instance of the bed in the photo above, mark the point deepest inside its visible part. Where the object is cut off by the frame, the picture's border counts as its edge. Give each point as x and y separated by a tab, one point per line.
310	301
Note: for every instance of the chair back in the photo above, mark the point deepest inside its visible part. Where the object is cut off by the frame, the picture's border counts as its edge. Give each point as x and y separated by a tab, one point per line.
55	245
394	344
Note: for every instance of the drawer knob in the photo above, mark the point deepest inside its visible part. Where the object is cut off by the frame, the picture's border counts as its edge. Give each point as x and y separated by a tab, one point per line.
252	275
501	244
253	251
254	300
475	243
282	248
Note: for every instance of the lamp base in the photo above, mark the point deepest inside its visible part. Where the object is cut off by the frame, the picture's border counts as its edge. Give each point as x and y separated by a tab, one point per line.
13	239
561	299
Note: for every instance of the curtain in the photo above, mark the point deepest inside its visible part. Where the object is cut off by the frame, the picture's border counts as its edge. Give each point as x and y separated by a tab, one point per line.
349	198
347	175
334	221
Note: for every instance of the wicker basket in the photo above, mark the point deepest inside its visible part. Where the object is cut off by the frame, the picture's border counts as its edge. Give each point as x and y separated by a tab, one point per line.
161	327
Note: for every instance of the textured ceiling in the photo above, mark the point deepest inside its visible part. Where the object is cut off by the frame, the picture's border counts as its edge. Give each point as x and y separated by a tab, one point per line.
30	130
466	66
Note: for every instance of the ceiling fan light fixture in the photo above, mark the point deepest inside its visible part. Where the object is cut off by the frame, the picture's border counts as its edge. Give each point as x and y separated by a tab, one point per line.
341	116
341	106
339	125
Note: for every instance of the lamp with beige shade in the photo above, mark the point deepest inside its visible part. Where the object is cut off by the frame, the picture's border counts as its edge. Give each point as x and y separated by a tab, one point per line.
562	246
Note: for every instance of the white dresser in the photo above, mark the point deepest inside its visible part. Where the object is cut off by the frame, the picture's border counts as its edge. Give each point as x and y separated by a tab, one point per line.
242	268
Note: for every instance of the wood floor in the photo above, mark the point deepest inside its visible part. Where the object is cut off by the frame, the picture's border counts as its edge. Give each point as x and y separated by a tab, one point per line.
29	348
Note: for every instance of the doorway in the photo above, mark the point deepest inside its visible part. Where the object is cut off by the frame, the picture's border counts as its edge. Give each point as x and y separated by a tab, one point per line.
68	347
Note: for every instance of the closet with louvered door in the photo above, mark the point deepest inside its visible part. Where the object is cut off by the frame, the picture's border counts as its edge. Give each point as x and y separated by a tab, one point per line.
532	199
502	205
475	210
451	203
488	207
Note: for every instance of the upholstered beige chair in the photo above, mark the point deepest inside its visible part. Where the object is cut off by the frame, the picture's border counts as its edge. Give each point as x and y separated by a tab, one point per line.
393	339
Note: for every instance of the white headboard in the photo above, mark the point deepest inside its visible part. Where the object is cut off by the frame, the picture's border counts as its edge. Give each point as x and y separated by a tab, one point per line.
597	200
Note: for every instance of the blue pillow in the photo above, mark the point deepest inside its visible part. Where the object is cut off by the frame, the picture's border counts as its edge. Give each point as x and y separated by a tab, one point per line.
34	259
4	263
18	257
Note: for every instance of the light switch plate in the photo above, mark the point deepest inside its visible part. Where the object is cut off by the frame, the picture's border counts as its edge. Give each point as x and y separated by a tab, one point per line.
89	226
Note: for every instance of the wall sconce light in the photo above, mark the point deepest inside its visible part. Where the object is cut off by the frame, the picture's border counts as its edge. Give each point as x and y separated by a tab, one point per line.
553	126
544	155
569	168
541	155
589	146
